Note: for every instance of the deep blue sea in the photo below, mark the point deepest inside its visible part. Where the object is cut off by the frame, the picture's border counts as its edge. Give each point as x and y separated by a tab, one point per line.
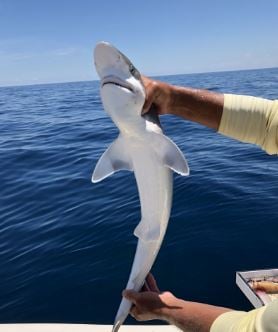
67	245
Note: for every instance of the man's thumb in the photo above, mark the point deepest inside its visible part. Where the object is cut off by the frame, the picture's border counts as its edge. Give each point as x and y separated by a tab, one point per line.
146	107
130	295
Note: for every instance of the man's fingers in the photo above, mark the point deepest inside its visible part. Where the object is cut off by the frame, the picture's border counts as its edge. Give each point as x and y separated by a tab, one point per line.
152	283
146	287
130	295
147	105
150	88
133	312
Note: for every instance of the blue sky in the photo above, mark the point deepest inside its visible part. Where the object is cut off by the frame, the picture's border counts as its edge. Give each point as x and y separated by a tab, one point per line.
52	41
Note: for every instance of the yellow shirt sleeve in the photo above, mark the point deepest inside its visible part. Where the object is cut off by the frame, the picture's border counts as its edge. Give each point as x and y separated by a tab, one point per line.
252	120
264	319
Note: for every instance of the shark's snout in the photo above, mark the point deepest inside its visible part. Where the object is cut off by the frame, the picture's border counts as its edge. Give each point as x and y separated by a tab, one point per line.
122	91
109	61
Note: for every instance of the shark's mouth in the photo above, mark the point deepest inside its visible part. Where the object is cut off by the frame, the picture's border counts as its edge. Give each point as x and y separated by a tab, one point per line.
116	81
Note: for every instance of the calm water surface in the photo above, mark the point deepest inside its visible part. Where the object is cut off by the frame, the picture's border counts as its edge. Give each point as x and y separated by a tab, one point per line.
66	245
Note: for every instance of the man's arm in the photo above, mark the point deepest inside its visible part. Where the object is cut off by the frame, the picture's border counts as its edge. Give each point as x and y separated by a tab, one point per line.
192	317
188	316
202	106
245	118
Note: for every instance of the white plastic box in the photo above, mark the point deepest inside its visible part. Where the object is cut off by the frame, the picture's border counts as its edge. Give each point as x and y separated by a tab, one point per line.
257	298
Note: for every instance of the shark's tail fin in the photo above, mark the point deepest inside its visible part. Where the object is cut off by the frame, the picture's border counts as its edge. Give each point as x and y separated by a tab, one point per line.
122	314
116	326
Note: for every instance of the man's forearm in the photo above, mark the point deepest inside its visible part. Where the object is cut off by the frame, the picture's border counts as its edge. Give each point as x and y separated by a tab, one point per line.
192	316
188	316
245	118
202	106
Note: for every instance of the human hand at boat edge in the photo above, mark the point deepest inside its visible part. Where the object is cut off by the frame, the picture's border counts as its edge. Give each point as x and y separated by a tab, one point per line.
150	303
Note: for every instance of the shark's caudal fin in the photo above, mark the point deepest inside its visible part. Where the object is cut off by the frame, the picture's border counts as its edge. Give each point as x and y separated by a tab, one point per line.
170	155
114	159
116	326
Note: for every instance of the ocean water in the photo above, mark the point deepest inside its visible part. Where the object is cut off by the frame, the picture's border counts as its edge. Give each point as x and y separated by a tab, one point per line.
66	245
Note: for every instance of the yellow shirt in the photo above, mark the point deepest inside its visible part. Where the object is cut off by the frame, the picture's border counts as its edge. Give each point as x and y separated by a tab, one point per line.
264	319
252	120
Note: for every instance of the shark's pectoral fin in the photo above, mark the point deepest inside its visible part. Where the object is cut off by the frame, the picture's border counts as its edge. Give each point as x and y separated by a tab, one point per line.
170	155
146	233
114	159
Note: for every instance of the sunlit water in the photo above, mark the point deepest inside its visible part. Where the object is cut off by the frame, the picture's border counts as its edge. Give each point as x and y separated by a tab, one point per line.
66	245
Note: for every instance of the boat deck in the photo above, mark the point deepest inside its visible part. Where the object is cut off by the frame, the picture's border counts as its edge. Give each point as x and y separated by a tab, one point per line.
83	328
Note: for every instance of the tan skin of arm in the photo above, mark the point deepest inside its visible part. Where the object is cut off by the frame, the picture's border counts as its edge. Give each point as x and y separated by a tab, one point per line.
150	304
206	108
202	106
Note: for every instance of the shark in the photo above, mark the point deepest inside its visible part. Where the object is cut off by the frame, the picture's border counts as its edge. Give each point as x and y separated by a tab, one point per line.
142	148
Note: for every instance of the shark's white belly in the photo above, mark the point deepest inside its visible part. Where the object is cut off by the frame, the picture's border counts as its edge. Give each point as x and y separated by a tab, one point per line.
155	186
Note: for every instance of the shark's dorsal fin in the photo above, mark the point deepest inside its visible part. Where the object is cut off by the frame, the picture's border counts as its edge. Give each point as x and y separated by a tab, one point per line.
170	155
114	159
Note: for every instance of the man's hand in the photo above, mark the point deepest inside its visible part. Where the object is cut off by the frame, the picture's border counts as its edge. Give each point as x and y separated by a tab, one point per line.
158	94
150	303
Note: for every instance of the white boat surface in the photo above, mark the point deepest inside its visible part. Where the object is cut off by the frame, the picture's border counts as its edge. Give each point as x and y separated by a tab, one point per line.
46	327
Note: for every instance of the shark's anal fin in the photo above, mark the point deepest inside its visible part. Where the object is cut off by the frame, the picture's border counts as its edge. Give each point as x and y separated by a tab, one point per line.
170	155
146	233
114	159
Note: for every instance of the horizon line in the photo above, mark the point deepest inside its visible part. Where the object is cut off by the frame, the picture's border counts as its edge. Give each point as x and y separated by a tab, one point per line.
151	76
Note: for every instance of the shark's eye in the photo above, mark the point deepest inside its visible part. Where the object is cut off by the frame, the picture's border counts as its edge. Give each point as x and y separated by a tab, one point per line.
134	72
132	69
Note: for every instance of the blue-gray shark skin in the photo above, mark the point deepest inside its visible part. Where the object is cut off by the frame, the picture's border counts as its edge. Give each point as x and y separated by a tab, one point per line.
142	148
